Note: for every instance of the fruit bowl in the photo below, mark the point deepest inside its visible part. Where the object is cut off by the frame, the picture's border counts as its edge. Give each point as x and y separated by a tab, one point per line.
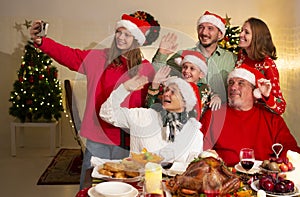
255	186
276	165
273	171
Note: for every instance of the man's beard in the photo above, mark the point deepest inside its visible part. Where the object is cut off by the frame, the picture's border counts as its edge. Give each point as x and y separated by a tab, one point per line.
209	44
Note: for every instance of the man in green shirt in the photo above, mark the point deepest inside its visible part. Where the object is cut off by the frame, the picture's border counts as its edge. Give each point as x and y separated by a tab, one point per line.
211	29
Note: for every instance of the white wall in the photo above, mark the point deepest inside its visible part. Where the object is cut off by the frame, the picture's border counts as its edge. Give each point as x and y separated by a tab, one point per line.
85	24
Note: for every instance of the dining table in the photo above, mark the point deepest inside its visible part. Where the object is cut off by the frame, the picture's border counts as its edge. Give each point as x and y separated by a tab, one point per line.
247	183
89	182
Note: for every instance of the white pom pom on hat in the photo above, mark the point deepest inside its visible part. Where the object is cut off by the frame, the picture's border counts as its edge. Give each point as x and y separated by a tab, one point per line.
250	74
214	19
137	27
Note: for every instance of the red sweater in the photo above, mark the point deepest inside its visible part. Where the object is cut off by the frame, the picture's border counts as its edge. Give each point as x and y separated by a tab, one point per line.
228	130
100	83
275	102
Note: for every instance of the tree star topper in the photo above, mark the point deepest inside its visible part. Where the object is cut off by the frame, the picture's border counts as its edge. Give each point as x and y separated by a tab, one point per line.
227	19
27	24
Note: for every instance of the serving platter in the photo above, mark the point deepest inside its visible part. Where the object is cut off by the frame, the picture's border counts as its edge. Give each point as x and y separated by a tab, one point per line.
96	174
273	171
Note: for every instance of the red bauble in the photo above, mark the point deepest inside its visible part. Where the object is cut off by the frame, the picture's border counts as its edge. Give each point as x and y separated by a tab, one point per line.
31	80
29	102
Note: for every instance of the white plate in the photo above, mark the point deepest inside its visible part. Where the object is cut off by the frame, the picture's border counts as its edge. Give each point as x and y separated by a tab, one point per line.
254	169
96	174
254	186
92	193
177	168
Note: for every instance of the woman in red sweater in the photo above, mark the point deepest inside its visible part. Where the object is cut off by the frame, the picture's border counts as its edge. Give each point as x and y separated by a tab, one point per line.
106	69
258	51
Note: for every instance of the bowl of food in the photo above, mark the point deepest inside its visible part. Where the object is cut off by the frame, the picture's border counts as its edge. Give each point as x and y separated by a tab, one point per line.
114	189
144	157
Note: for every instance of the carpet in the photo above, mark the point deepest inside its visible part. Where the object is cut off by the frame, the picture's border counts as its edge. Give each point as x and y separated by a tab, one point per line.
64	169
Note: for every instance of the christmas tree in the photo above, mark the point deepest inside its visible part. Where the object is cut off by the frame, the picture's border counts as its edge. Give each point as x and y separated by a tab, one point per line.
36	93
231	39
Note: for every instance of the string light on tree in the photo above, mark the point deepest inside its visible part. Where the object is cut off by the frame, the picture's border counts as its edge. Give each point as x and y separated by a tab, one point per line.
37	89
231	39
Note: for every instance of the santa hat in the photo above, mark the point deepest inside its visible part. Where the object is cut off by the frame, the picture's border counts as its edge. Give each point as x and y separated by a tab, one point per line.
214	19
193	57
198	106
187	92
137	27
250	74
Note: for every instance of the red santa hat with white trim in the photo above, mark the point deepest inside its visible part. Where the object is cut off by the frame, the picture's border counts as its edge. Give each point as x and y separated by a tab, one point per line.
193	57
189	92
214	19
250	74
137	27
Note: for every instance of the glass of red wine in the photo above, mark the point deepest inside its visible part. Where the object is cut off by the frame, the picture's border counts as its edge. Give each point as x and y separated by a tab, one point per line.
247	160
168	156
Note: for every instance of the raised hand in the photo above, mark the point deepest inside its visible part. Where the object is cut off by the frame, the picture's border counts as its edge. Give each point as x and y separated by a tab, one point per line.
168	44
161	76
215	103
135	83
264	87
34	30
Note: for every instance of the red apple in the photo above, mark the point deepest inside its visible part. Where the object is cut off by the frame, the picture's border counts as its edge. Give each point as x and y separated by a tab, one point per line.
279	160
283	167
285	160
272	159
290	166
280	187
289	185
266	184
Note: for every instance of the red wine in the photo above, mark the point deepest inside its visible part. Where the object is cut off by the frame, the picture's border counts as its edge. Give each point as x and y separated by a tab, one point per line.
154	195
247	165
211	193
166	165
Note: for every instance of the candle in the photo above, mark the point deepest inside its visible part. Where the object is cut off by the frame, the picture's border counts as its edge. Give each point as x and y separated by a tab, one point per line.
153	179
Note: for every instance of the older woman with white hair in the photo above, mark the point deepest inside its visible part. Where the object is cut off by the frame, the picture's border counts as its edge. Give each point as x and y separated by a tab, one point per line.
171	124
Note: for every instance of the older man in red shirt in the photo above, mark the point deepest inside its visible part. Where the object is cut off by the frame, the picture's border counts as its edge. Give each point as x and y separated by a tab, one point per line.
243	123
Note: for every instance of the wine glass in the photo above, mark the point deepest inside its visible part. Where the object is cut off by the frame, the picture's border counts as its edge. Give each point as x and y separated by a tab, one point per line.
168	156
247	160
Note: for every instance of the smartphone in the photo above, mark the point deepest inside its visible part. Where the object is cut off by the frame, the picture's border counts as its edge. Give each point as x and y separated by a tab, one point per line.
43	28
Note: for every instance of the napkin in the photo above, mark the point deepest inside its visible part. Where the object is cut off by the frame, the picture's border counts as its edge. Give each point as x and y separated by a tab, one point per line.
294	157
178	167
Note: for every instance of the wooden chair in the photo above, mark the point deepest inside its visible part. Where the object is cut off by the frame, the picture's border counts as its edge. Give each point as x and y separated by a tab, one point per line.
72	105
73	112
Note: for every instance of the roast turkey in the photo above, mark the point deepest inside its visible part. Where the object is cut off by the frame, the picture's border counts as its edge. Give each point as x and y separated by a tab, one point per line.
204	175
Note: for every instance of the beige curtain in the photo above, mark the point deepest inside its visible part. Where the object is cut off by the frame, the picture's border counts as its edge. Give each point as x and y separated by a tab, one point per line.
287	41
